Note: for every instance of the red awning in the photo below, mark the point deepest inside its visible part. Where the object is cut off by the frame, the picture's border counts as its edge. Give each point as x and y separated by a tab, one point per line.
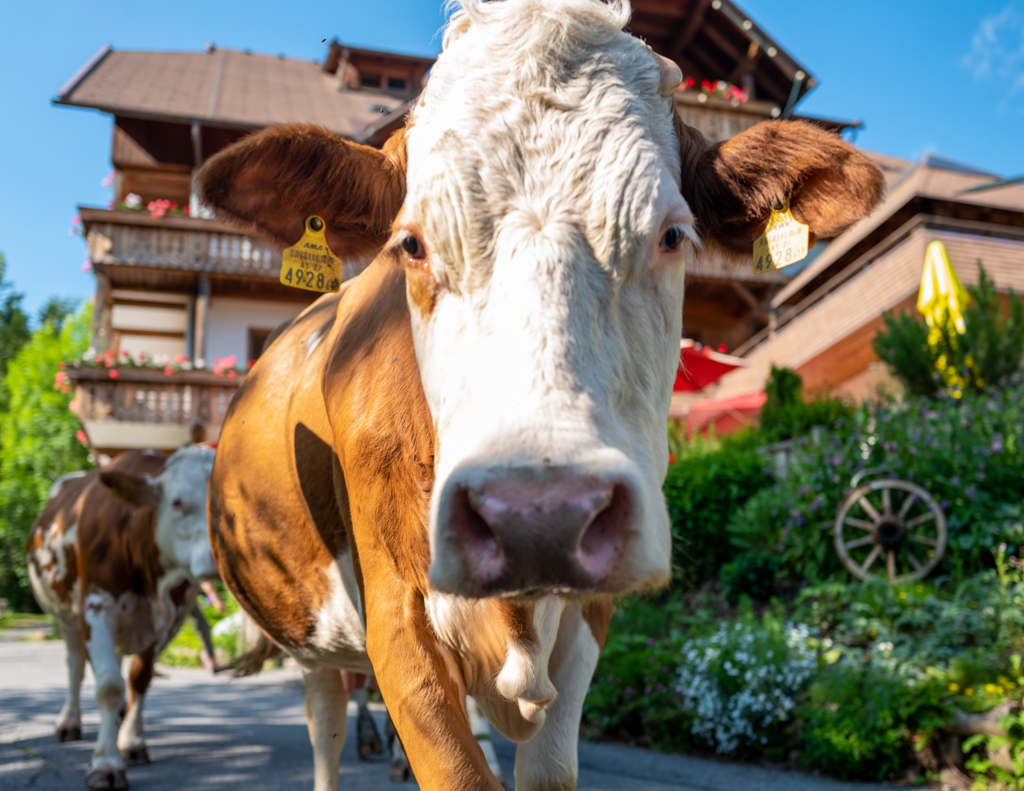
700	366
725	414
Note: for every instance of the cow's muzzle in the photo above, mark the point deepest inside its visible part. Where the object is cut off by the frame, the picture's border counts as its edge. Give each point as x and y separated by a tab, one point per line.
532	530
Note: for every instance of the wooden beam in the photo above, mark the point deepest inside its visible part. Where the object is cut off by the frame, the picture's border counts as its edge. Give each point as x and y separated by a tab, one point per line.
757	308
202	317
101	314
690	29
747	65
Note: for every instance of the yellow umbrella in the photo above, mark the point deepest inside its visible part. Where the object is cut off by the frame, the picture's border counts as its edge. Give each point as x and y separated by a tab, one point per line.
942	300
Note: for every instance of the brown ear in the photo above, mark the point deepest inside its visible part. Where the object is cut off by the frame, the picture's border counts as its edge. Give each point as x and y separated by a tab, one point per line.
731	186
136	490
270	182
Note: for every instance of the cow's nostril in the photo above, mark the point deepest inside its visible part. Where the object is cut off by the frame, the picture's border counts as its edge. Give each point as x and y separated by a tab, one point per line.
604	539
481	550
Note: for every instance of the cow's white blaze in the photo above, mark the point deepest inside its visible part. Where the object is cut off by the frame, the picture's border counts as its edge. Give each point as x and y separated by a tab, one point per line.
543	175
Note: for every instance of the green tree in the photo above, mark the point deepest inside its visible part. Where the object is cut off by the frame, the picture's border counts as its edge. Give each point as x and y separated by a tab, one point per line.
988	353
38	442
786	414
56	310
14	330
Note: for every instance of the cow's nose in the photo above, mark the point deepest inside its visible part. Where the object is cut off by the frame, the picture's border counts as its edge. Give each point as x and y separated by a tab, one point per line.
517	534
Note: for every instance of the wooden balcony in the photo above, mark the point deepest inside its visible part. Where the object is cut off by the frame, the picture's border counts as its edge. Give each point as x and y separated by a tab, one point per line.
180	244
146	408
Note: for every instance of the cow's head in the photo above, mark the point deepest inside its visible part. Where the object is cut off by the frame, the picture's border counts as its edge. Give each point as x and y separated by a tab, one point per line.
543	200
177	501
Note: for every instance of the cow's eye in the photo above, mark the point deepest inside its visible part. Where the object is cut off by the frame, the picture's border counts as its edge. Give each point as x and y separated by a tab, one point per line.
672	238
414	248
178	503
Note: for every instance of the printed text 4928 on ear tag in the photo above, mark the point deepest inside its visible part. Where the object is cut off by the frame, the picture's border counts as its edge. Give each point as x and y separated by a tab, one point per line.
784	242
309	263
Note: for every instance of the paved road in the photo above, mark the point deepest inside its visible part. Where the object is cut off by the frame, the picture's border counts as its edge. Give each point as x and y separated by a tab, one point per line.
250	735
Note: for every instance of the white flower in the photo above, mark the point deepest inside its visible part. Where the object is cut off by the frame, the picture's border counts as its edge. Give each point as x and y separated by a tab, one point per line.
132	201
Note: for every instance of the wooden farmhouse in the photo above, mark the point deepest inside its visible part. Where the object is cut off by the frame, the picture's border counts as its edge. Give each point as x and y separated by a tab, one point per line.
178	285
825	319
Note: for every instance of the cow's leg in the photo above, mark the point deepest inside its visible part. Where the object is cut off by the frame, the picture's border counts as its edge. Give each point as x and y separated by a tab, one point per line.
423	699
131	739
202	627
106	770
327	718
549	762
69	723
368	741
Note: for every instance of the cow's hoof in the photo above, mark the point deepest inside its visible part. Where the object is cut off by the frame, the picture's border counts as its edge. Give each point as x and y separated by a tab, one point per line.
368	742
107	780
135	756
401	772
68	733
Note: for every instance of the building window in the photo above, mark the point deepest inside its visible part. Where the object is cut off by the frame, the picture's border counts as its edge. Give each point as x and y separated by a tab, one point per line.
257	340
396	83
369	80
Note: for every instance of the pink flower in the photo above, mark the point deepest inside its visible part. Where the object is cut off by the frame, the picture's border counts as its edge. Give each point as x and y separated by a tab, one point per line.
113	373
168	370
232	373
87	266
229	361
73	406
80	436
180	358
108	179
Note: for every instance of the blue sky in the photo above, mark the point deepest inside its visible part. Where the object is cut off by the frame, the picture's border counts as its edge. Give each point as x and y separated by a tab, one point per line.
923	75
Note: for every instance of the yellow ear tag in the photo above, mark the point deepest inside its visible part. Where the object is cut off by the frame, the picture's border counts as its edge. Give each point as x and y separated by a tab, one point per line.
783	242
309	263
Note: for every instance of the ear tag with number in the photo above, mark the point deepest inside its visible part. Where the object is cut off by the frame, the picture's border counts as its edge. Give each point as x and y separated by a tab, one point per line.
309	263
784	242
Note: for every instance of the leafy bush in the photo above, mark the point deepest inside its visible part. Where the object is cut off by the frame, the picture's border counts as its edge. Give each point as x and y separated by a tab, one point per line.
785	414
742	680
987	354
751	574
858	721
702	493
992	774
968	453
38	441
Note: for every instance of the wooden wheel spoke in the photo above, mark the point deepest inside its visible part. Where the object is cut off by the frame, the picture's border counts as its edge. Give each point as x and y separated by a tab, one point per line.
907	505
928	542
921	519
871	558
867	506
859	542
862	524
913	560
886	501
890	564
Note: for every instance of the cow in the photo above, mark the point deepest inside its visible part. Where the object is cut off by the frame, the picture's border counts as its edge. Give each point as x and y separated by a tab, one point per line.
117	556
443	473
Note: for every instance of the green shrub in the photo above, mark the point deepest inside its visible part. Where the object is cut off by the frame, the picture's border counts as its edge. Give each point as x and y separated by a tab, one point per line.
702	494
987	354
994	775
751	574
184	650
857	722
785	414
968	453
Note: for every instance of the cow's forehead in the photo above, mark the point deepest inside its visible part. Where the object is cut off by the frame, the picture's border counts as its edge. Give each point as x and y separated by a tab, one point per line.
511	125
187	473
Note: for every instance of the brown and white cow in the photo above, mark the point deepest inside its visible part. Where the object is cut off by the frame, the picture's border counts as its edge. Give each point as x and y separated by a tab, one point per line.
446	470
117	556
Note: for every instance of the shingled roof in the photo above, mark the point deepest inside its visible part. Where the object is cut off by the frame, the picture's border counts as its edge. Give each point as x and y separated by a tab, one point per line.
223	87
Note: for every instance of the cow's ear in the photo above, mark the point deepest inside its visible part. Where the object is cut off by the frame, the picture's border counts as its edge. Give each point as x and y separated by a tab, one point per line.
270	182
732	186
136	490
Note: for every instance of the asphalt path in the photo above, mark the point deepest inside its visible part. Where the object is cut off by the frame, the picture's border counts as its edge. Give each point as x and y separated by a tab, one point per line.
207	732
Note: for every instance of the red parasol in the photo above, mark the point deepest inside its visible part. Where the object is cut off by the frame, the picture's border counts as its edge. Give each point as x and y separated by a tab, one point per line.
700	366
725	414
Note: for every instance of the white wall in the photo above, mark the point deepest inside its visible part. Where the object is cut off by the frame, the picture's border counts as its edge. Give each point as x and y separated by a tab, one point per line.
230	320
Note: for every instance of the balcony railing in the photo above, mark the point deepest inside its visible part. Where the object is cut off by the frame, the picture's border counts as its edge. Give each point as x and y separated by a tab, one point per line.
146	408
123	238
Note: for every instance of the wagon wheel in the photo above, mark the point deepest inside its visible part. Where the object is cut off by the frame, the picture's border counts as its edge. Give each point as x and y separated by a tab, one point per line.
892	525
